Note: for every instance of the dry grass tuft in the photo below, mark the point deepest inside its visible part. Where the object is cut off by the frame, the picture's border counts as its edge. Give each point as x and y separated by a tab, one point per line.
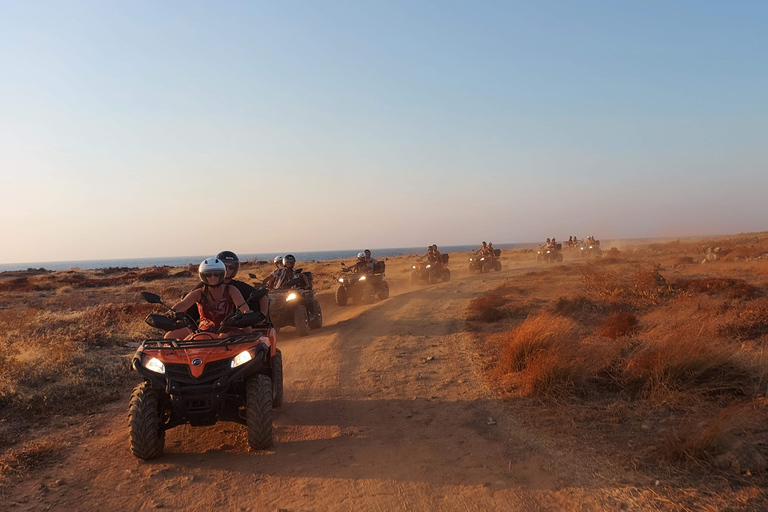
618	324
543	332
31	455
487	308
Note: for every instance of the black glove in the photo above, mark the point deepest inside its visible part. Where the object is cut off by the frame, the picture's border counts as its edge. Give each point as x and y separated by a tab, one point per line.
176	315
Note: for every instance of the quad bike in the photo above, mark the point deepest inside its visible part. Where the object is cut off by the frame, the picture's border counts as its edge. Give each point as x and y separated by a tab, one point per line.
427	271
294	305
361	286
207	377
588	250
549	254
485	263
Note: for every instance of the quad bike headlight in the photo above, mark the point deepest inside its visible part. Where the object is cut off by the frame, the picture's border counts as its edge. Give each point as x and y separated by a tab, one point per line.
290	297
413	267
155	365
482	259
341	279
428	266
241	358
362	278
547	252
590	246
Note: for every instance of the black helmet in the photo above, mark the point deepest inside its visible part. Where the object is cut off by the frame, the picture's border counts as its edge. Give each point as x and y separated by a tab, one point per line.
289	258
231	261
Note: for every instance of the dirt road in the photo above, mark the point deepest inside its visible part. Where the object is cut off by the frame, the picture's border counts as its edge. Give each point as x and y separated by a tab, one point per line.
383	412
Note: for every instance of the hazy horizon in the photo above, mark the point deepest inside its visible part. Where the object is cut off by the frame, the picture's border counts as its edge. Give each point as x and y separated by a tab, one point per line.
155	130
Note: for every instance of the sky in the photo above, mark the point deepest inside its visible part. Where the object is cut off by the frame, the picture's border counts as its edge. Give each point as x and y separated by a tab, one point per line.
144	128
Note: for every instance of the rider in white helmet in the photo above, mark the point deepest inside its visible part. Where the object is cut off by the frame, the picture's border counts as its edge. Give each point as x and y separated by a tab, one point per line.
215	299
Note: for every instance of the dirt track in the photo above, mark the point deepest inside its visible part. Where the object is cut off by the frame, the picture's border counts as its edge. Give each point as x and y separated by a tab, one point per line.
383	411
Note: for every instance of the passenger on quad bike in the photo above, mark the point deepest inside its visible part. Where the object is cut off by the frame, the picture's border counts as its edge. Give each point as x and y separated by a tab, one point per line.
215	300
285	274
278	261
232	262
370	260
365	282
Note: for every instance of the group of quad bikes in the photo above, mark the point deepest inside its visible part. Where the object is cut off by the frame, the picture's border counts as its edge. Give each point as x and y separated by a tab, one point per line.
552	253
210	377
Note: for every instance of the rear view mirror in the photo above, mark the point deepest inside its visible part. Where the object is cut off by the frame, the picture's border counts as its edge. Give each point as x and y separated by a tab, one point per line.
252	276
151	298
343	264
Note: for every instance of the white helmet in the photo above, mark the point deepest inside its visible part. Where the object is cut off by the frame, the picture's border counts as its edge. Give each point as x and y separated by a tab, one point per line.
361	256
212	267
278	260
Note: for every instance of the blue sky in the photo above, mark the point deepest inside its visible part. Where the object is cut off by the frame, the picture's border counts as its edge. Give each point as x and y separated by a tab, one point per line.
174	128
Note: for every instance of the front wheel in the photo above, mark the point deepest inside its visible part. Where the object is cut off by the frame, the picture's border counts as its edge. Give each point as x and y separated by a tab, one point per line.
384	290
415	277
341	296
486	266
559	257
258	412
317	320
300	320
497	266
471	268
146	429
432	277
277	379
446	274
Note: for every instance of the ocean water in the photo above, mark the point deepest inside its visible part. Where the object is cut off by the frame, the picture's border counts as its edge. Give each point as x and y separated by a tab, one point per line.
186	260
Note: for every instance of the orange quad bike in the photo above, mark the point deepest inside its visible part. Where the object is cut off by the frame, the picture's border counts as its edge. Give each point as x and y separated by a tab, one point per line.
205	378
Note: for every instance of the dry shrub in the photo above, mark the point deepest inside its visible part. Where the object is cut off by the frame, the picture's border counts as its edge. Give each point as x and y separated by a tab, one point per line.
729	287
613	252
618	324
31	455
717	440
487	308
681	363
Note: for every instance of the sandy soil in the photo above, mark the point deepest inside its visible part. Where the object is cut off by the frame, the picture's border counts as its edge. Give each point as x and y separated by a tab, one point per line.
384	411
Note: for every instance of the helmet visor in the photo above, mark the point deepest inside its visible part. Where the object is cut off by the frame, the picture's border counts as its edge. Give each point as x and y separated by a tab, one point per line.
212	276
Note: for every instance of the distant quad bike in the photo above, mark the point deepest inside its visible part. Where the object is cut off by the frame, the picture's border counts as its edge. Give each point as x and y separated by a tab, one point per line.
424	271
296	306
590	250
361	286
204	379
484	263
549	254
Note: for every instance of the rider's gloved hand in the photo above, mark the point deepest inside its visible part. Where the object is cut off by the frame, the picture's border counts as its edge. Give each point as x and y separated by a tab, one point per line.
177	315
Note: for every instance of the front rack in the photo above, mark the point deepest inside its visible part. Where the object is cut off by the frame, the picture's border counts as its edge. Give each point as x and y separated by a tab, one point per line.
169	344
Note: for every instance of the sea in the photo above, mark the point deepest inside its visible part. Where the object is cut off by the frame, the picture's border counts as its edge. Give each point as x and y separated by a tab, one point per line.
180	261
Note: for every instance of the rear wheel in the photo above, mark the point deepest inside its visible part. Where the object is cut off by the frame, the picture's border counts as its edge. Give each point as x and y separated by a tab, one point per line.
384	290
146	429
432	277
341	296
300	320
446	274
277	379
258	412
317	320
